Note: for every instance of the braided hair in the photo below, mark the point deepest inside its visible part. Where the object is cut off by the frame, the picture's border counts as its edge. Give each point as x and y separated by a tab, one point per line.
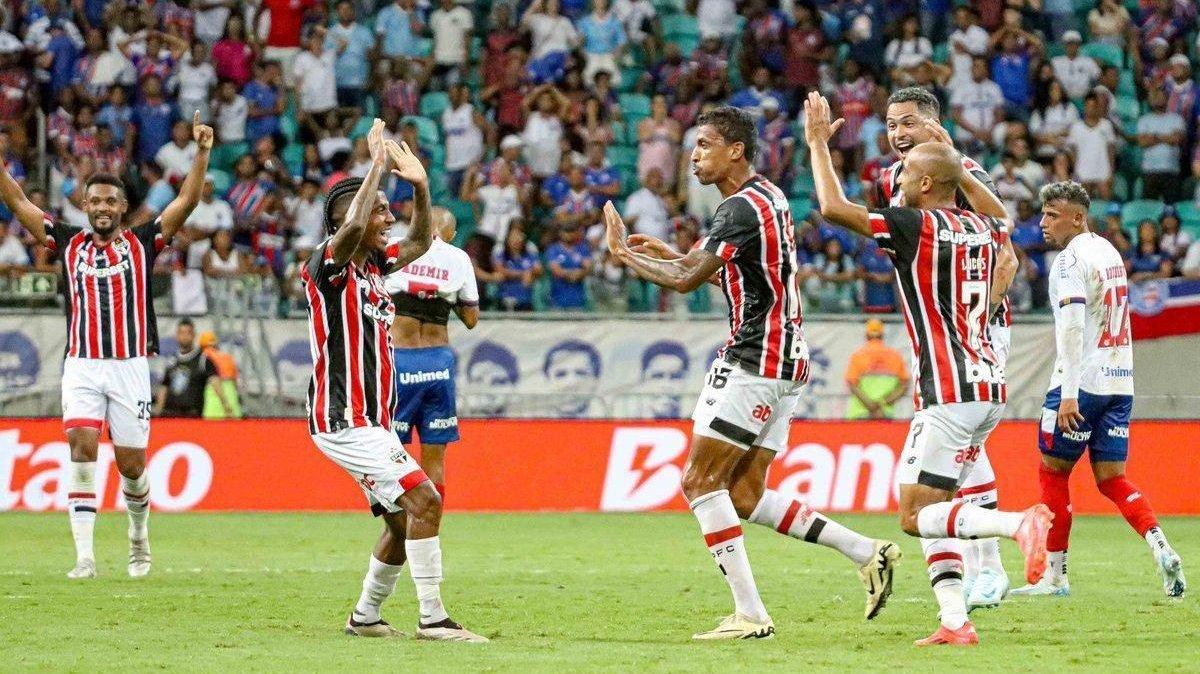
342	189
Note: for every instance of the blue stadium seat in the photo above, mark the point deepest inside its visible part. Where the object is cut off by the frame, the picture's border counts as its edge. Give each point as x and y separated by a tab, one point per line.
433	103
634	105
622	156
680	25
1141	209
222	181
1105	54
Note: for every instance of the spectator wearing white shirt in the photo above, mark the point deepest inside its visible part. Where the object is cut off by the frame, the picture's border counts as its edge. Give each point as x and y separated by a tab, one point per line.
462	127
909	50
313	72
211	213
210	19
175	158
306	210
968	40
715	18
497	205
604	40
640	19
1094	142
1078	73
196	79
545	106
978	105
1052	120
452	26
230	110
549	31
1160	134
14	258
646	211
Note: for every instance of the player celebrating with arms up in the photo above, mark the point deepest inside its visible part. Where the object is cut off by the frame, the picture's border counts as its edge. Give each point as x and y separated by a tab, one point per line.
946	264
1091	388
745	410
351	395
110	331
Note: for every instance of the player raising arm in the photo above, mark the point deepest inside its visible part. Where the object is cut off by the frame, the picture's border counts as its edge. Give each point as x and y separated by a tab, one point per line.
110	331
945	262
1090	399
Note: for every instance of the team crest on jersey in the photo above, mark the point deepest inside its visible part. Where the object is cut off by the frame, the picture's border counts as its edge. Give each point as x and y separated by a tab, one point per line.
121	246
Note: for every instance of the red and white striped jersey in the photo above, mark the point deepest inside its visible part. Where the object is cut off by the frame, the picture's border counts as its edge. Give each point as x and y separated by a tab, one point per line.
109	310
945	260
349	313
887	191
752	232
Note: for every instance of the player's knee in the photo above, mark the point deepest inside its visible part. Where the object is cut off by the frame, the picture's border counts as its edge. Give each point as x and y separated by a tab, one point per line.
908	522
425	505
84	445
131	465
696	483
745	496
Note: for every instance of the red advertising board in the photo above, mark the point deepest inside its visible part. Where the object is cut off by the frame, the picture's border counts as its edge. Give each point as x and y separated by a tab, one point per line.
528	465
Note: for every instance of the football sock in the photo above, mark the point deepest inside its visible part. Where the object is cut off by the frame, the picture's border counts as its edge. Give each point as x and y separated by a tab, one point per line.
137	504
963	520
441	490
943	556
1058	565
81	505
1157	540
425	566
793	518
378	585
1133	506
980	490
723	535
970	555
1056	494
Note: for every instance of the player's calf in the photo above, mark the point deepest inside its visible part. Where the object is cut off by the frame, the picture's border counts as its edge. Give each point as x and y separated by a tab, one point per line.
82	507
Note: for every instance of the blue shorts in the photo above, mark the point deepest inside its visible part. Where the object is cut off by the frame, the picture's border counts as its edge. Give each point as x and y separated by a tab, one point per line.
425	399
1104	431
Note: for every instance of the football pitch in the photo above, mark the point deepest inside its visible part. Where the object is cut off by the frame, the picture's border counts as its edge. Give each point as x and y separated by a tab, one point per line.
562	593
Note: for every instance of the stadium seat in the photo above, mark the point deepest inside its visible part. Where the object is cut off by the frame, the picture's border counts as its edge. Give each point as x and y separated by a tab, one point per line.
222	181
803	185
1127	84
361	128
439	189
634	105
427	129
1141	209
622	156
629	181
680	25
1128	107
437	155
463	212
293	156
1098	209
800	209
687	43
225	155
941	53
433	103
1189	217
1105	54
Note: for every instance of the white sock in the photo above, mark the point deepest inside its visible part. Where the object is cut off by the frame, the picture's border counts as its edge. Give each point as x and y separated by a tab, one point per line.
963	520
793	518
1157	541
137	504
378	585
979	489
988	550
1058	566
723	534
425	566
970	558
943	556
81	505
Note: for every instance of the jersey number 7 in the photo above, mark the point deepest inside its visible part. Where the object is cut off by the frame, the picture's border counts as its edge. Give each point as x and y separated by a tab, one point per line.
1116	318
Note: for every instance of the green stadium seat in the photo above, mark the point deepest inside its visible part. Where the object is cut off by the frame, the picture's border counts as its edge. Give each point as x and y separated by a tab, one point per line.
687	43
800	209
1128	107
361	128
629	79
433	103
427	129
1127	84
803	185
634	105
1189	217
293	156
629	181
439	188
1105	54
1098	209
941	53
622	156
225	155
1141	209
437	155
222	180
463	212
680	25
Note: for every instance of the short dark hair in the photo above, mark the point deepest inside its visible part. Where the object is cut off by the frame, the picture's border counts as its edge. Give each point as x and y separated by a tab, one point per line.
1068	191
341	193
735	126
927	103
105	179
186	323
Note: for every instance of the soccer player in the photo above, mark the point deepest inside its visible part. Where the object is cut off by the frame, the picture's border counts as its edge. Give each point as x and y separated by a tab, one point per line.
745	409
913	117
947	272
110	331
425	291
1091	388
352	395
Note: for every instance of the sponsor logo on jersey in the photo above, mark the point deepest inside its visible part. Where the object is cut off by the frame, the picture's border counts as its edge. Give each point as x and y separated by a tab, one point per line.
423	376
985	372
400	426
385	316
444	423
1116	371
973	239
103	272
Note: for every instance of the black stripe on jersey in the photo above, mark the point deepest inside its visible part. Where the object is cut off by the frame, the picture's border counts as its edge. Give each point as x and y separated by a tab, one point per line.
949	271
103	297
370	378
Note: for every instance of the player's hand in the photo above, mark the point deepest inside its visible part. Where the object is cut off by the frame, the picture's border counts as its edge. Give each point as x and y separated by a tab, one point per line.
651	246
614	229
818	128
1069	418
201	133
408	165
938	133
375	140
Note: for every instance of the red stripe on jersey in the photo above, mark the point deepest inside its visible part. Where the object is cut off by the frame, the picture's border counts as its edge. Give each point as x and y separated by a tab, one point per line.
737	302
71	261
116	302
773	333
384	366
352	330
792	293
139	260
785	524
718	537
924	279
92	304
958	316
967	491
320	337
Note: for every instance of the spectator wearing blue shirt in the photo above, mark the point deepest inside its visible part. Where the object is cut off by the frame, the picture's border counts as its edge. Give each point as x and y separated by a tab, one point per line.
570	262
353	44
752	97
1010	70
877	273
398	29
518	267
153	118
862	29
603	39
556	188
116	114
1146	261
266	101
64	47
603	181
157	198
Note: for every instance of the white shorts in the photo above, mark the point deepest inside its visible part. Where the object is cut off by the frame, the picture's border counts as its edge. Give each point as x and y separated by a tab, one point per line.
99	390
376	460
944	441
745	409
1001	342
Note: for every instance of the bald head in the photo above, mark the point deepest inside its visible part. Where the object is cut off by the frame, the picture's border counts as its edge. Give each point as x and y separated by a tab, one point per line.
932	172
445	225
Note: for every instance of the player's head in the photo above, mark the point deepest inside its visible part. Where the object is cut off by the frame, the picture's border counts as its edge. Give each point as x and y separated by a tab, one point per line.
380	220
907	111
445	225
1064	211
726	139
931	175
185	335
104	202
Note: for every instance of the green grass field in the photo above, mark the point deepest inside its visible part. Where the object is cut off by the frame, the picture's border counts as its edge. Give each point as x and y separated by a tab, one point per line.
563	593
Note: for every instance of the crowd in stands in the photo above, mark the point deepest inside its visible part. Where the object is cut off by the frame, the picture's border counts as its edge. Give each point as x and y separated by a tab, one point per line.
531	114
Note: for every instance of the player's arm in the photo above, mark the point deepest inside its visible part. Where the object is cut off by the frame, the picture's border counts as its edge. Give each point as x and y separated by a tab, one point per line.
468	314
682	275
1004	272
31	217
834	205
467	306
420	230
176	212
160	400
349	235
1068	337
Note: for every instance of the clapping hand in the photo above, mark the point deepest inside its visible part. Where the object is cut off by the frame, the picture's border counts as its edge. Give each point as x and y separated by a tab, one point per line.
408	165
818	128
